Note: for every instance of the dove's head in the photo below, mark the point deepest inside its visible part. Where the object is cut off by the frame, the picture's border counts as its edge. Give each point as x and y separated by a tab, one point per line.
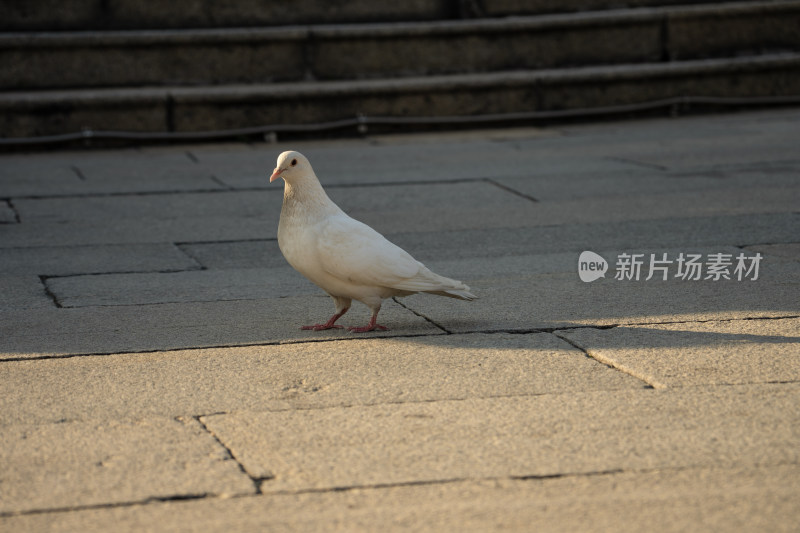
291	165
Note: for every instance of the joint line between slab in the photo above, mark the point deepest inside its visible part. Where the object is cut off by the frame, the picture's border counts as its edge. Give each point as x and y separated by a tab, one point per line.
640	164
429	320
181	250
168	192
242	469
379	486
13	209
523	477
692	321
78	172
50	294
633	324
227	188
130	272
613	364
401	183
214	346
222	184
389	336
110	505
511	190
223	241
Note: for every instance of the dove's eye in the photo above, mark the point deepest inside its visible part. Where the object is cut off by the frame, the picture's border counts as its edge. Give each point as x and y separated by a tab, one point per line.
294	162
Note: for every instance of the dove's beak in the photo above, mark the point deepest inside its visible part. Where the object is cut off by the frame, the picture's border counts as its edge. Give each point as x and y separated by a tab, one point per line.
276	174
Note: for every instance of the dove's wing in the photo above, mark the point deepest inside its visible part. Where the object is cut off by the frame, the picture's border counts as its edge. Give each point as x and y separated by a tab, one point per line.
354	252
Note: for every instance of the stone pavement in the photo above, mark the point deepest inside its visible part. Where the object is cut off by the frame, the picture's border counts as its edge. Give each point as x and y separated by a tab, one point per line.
154	376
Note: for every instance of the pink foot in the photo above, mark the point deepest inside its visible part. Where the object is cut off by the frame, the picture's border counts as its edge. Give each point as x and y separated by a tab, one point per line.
371	326
330	324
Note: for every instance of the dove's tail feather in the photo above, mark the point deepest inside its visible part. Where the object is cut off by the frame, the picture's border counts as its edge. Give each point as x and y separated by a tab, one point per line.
455	293
432	283
450	288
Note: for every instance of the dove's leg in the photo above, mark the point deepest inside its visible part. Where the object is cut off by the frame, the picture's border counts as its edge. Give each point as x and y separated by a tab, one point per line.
327	325
342	305
372	324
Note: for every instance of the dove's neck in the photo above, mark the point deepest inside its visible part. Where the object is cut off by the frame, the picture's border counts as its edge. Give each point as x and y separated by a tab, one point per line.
307	196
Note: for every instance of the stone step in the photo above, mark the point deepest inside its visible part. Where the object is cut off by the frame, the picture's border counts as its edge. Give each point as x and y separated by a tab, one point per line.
330	52
209	108
155	14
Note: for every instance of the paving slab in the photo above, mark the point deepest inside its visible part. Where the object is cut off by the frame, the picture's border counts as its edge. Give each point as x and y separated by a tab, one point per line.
552	404
58	260
165	206
266	254
708	152
705	183
187	286
513	266
702	224
544	291
58	466
504	285
548	301
23	292
226	281
411	159
294	376
23	175
246	166
760	137
102	172
667	233
158	217
547	435
36	333
695	353
125	231
434	206
451	213
663	500
358	162
665	150
406	207
648	206
687	144
691	144
210	216
145	172
259	253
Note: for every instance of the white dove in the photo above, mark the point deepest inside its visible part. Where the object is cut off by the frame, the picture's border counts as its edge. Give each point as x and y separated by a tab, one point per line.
346	258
